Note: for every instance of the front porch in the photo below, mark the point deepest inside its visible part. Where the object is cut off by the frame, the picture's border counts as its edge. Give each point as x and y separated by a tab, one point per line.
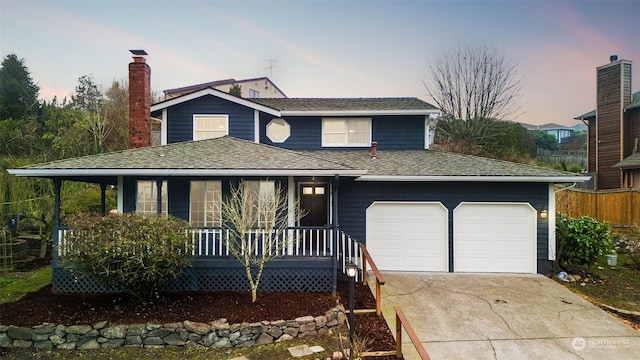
310	260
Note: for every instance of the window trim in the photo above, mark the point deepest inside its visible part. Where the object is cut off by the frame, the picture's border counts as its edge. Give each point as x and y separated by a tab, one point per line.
196	116
346	121
284	124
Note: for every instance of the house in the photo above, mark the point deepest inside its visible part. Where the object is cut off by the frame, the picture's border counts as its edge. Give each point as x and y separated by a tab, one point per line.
250	88
614	128
361	168
561	132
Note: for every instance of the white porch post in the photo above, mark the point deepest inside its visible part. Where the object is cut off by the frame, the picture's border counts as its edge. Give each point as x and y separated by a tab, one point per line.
291	214
120	195
551	222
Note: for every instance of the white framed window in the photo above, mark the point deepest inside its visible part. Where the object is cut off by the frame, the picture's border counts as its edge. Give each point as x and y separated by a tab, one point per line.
206	203
278	130
346	132
147	198
209	126
254	94
260	196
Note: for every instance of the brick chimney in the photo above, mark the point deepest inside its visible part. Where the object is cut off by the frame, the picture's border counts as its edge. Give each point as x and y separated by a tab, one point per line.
139	101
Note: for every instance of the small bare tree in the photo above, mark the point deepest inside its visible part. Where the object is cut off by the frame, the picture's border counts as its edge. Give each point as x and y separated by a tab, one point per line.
474	82
256	215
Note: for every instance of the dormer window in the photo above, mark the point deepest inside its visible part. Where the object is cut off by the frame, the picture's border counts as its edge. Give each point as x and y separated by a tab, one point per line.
209	126
346	132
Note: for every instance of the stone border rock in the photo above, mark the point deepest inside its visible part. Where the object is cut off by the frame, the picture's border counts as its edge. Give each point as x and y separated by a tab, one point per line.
218	334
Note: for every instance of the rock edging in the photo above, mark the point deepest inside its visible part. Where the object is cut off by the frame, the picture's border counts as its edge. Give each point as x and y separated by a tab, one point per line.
217	333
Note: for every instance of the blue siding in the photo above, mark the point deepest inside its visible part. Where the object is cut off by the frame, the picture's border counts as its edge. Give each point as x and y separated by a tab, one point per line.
396	132
306	132
391	132
356	197
180	118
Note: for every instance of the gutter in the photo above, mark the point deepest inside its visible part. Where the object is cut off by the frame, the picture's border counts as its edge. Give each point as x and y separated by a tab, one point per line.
471	178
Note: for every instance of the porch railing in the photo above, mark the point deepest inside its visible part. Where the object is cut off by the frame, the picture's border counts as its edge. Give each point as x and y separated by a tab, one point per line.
294	241
212	242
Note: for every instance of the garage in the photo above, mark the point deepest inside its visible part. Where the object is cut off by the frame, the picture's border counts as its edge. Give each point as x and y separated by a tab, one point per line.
408	236
494	237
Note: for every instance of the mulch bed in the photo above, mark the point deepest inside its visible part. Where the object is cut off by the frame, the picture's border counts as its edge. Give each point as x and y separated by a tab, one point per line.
73	309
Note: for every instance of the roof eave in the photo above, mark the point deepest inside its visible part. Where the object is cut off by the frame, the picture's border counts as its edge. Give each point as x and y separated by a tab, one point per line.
358	112
46	173
220	94
474	178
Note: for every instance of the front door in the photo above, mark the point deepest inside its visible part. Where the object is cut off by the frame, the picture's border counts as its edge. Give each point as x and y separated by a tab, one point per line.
313	200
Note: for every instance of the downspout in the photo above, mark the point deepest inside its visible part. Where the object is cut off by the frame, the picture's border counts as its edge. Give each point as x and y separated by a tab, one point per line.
334	222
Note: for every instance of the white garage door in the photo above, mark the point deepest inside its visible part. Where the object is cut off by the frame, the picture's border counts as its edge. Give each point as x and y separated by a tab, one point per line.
405	236
494	237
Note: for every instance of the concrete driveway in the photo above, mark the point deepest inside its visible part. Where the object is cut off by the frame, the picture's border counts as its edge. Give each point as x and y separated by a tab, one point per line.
503	316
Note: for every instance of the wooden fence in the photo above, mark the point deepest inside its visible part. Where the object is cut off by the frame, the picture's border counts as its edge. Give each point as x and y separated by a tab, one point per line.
619	207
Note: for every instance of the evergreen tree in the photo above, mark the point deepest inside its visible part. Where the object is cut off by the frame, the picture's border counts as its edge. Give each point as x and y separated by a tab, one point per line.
18	92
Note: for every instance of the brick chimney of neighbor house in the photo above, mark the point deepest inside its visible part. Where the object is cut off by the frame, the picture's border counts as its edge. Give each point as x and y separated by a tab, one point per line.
139	101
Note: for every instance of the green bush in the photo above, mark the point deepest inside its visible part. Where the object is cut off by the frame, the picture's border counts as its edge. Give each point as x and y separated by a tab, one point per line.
129	252
581	241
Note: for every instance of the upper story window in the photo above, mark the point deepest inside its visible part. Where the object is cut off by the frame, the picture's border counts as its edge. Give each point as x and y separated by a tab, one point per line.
254	94
208	126
206	203
147	197
278	130
346	132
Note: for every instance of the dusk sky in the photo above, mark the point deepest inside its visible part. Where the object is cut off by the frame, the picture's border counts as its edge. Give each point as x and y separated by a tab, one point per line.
325	48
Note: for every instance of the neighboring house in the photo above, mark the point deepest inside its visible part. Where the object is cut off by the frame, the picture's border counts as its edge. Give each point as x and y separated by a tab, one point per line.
561	132
614	128
251	88
361	168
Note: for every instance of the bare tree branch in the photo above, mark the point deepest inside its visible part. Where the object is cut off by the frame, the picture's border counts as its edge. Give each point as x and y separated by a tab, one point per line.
256	219
478	82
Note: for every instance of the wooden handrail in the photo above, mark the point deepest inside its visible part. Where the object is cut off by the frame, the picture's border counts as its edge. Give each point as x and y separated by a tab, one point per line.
379	279
401	321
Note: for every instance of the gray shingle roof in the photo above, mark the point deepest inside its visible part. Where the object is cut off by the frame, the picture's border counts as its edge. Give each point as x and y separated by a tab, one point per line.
221	153
432	163
345	104
229	156
630	162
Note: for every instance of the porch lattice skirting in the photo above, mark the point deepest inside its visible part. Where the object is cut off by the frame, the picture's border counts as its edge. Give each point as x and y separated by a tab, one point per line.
309	275
306	266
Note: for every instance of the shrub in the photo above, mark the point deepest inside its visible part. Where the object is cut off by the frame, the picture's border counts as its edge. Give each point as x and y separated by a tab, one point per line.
581	241
128	252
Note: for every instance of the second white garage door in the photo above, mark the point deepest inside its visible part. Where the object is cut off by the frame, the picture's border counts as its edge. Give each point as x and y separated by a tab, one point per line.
408	236
494	237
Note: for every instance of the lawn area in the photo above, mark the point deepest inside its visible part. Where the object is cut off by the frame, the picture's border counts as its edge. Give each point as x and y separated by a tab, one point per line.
617	286
16	284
